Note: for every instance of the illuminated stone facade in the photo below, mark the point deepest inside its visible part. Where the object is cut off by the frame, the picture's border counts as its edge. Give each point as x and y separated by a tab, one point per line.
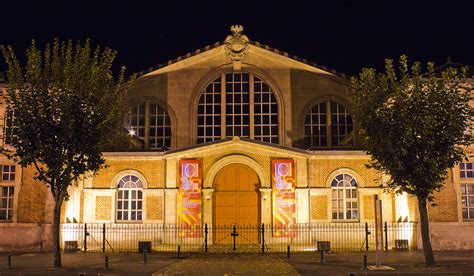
171	121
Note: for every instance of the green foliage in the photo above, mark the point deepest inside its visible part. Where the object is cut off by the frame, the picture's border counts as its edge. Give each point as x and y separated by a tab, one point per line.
413	124
66	104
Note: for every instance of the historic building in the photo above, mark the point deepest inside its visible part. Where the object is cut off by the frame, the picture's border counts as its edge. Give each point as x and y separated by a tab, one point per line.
234	133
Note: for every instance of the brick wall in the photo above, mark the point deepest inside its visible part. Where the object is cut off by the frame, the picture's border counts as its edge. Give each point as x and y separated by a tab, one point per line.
154	208
31	199
103	207
369	204
320	170
152	170
446	203
319	209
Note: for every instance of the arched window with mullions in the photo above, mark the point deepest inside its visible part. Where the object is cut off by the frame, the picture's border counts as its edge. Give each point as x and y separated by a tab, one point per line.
150	123
328	125
344	197
237	104
129	198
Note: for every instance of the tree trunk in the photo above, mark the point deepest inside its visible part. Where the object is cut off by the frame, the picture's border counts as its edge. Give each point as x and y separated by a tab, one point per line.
425	233
56	224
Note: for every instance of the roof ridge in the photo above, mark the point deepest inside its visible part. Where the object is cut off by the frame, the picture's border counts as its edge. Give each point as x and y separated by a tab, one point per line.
295	57
255	43
179	58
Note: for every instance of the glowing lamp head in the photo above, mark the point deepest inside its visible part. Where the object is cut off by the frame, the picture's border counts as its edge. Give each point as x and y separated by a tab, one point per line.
131	132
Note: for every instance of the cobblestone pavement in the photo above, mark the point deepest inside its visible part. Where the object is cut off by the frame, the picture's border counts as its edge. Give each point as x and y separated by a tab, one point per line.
405	264
89	264
230	264
410	263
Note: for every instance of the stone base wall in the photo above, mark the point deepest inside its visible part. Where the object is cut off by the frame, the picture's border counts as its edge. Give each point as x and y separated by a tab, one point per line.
26	237
449	236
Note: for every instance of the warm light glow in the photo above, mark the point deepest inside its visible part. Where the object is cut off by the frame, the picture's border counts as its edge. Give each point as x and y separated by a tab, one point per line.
131	132
264	197
403	216
71	205
401	203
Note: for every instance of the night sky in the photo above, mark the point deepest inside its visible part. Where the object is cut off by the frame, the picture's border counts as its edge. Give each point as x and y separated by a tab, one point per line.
343	35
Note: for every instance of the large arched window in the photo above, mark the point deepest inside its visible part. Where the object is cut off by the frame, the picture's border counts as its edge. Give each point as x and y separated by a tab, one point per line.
237	104
129	199
344	197
151	124
328	124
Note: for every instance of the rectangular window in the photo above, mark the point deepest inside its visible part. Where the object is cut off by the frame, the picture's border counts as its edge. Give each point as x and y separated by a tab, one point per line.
467	201
8	172
466	170
9	128
6	203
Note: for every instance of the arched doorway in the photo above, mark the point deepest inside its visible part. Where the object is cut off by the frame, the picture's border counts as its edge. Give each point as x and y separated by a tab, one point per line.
236	200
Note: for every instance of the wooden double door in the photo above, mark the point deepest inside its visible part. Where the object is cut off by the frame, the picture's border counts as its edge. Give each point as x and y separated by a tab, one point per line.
236	202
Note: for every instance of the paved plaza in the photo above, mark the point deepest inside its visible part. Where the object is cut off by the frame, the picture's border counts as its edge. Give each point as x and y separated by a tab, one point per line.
405	263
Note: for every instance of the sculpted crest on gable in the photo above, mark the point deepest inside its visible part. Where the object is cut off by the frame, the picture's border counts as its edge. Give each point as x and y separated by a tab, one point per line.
236	46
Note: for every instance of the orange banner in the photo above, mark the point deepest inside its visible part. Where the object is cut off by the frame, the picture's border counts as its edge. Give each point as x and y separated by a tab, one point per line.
189	199
284	200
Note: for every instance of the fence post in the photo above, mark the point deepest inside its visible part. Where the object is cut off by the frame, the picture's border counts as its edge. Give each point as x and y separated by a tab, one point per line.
144	257
106	262
263	238
288	251
367	233
85	237
103	238
9	261
234	234
205	237
179	252
385	228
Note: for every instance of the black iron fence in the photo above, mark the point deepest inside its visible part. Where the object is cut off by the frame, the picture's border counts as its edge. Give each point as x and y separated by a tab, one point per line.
335	237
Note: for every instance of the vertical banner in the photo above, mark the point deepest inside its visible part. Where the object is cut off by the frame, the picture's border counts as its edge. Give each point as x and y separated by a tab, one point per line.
189	198
284	200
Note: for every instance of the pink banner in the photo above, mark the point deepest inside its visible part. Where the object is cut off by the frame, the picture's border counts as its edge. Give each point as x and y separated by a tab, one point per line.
284	200
189	199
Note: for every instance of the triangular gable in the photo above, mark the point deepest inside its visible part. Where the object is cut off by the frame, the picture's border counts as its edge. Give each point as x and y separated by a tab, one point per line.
254	48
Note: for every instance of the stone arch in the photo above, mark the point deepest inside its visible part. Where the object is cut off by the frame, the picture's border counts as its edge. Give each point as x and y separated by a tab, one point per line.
234	159
317	100
163	104
227	68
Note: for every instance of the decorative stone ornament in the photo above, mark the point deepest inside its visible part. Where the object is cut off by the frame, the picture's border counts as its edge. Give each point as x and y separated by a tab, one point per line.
236	46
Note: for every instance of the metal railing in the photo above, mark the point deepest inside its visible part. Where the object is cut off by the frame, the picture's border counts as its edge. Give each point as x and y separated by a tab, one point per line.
335	237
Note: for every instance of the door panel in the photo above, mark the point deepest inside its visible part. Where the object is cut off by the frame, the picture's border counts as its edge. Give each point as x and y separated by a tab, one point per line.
236	203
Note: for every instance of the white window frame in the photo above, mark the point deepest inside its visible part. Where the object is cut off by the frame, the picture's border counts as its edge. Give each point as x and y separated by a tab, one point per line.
251	118
465	172
467	201
9	198
339	190
10	173
129	185
9	128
